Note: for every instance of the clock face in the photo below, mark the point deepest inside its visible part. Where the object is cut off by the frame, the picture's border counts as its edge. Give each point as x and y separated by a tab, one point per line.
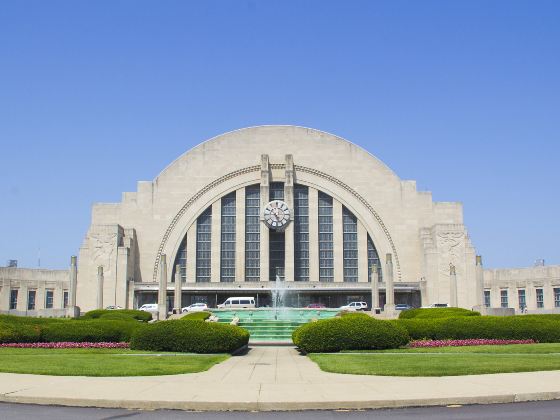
276	214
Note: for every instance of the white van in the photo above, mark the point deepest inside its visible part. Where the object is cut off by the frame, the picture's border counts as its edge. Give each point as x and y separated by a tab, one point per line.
238	302
149	307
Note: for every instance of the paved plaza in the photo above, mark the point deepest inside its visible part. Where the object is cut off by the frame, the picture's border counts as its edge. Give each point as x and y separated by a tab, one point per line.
276	378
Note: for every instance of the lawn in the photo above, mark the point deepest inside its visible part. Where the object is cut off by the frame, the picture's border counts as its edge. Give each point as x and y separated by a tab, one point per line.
103	362
444	361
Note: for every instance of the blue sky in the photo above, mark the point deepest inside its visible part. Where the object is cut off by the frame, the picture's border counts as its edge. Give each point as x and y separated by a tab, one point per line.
461	96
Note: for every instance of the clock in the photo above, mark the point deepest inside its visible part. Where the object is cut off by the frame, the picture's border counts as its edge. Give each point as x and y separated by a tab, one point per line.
276	214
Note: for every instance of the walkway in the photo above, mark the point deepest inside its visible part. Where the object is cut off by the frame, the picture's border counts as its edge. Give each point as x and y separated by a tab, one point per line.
276	378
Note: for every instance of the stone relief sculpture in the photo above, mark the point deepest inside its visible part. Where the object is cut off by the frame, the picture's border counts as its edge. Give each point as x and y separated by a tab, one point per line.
103	248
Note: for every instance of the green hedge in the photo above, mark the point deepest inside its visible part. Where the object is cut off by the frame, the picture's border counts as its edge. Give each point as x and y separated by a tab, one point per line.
19	333
434	313
197	316
190	336
122	314
93	331
349	332
513	327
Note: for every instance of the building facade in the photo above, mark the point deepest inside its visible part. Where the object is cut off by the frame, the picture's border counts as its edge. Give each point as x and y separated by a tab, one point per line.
236	213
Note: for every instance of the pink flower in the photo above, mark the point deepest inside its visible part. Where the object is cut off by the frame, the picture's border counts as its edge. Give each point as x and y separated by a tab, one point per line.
67	345
469	342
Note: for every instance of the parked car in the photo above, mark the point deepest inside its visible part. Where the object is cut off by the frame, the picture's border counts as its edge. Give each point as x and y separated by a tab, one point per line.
149	307
113	307
355	306
315	306
402	307
436	305
195	307
238	303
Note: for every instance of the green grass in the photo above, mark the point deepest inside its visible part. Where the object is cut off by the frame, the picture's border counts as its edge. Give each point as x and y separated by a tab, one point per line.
103	362
444	361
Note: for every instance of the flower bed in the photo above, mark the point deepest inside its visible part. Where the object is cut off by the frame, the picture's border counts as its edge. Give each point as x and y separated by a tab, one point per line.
67	345
471	342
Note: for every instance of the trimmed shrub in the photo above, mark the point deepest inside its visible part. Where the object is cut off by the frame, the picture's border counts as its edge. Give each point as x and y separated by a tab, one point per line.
121	314
18	333
95	331
353	331
492	327
189	336
435	313
197	316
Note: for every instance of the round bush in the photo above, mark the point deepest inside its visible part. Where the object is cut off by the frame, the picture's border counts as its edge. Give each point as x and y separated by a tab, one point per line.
197	316
349	332
508	328
14	333
92	331
435	313
190	336
118	314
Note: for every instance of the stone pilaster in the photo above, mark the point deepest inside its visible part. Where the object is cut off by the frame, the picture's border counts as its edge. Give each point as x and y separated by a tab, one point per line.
479	286
73	281
289	264
389	286
338	251
130	304
452	286
313	234
178	290
216	244
362	254
100	287
240	235
162	292
191	253
265	196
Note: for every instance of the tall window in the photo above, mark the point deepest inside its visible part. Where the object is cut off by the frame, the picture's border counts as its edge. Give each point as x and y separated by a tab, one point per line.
203	246
31	295
557	297
49	299
252	233
277	243
373	259
227	262
540	298
487	298
350	245
504	298
181	260
301	233
13	299
522	299
326	260
65	299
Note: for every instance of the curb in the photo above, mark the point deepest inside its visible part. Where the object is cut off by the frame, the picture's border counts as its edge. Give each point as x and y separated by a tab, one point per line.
281	405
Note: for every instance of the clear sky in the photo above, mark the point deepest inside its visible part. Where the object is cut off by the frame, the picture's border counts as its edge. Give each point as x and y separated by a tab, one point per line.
462	96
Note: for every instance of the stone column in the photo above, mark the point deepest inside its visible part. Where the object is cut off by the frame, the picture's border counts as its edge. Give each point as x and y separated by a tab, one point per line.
100	287
313	234
374	288
424	299
389	286
452	286
178	290
73	281
216	244
130	300
338	244
289	265
265	195
240	235
479	287
162	293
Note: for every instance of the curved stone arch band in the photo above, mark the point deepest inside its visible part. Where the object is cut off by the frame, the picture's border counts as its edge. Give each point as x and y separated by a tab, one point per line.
257	168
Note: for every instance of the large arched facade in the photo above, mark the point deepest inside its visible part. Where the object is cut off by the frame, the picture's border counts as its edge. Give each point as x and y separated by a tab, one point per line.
206	213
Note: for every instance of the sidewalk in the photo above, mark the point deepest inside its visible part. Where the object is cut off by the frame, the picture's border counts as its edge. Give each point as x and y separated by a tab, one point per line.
276	378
